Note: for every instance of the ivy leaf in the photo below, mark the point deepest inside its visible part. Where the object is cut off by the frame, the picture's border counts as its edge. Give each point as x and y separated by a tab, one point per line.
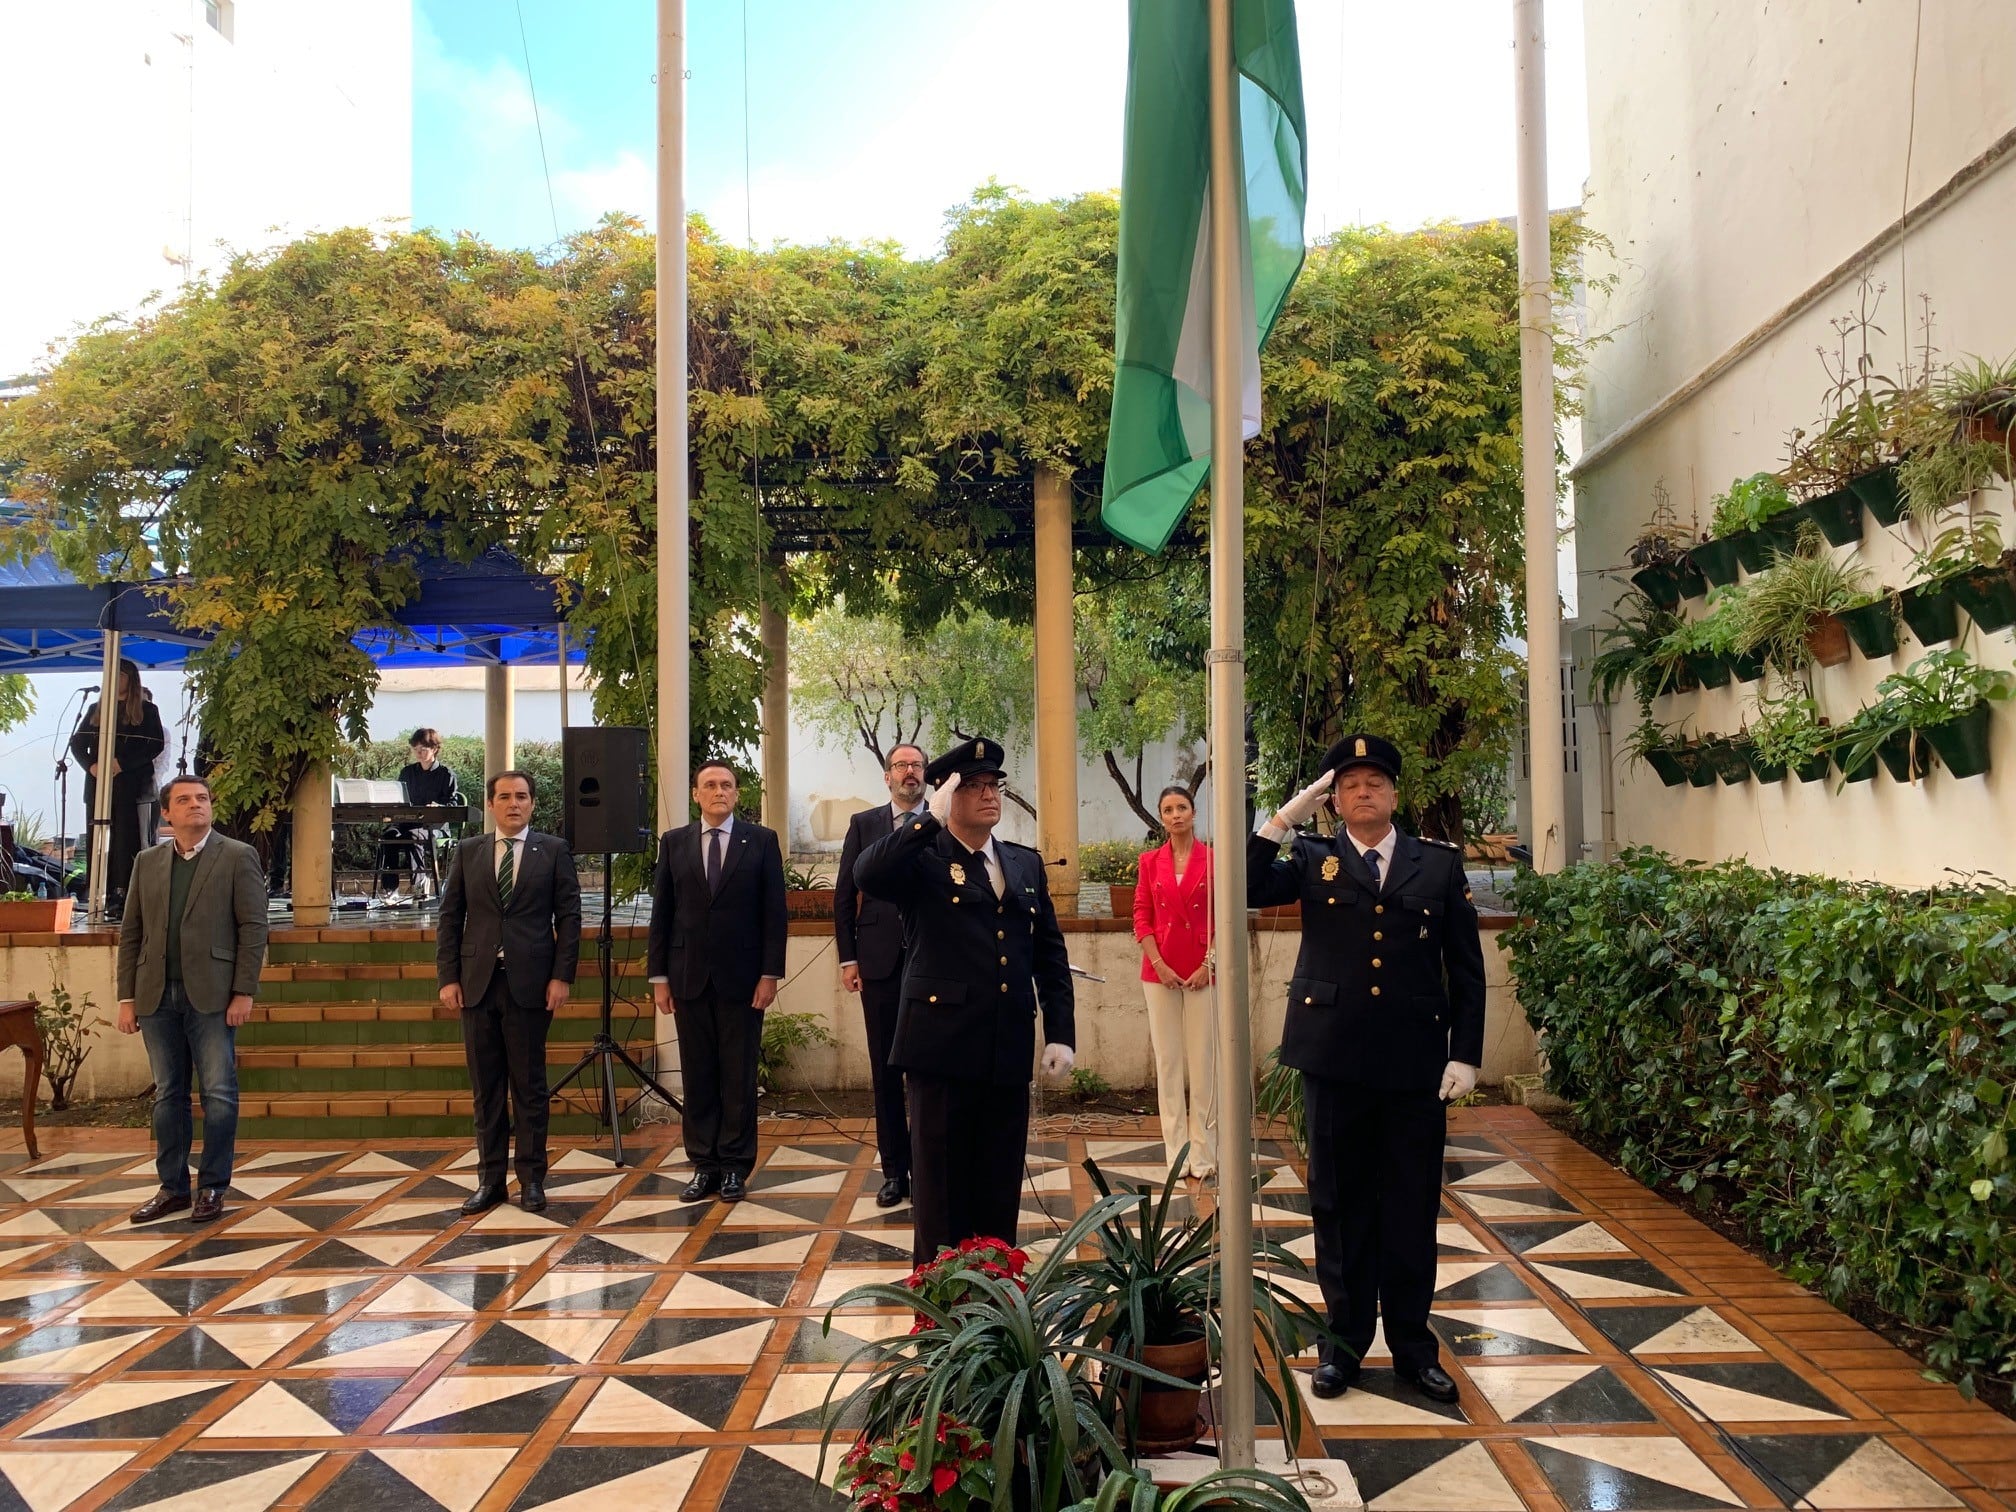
1982	1190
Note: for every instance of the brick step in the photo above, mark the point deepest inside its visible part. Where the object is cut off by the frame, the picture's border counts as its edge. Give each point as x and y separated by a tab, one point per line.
411	982
342	1081
348	1011
396	1126
392	1054
402	952
367	1107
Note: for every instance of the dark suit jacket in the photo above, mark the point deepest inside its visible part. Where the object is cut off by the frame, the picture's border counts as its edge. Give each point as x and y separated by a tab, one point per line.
977	967
868	931
1389	985
727	939
540	933
223	927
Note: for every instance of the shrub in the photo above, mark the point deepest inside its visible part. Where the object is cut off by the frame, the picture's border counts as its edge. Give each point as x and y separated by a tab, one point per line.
1834	1058
784	1035
1112	861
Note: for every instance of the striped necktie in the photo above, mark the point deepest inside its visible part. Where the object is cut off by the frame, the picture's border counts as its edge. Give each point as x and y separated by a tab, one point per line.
507	872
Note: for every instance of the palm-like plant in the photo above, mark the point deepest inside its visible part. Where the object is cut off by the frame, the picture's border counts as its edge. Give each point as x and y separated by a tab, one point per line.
1251	1490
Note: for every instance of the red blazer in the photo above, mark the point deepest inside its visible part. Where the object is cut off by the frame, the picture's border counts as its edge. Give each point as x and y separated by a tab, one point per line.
1176	914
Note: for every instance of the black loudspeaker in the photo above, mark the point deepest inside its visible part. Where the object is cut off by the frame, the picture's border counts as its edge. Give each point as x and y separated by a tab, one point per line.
604	770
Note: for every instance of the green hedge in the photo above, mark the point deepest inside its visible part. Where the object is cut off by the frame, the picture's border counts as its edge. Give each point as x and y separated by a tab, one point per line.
1833	1058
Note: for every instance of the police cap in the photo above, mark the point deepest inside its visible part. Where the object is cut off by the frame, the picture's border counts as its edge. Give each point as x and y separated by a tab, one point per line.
1362	750
980	754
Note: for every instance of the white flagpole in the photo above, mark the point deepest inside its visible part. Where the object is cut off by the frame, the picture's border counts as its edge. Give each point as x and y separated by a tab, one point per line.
101	797
1227	661
1546	832
674	722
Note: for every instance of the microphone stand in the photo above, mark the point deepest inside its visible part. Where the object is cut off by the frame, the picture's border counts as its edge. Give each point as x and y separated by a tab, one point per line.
606	1050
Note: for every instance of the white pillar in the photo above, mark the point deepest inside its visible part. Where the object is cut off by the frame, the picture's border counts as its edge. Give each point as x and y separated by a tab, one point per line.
1056	690
500	736
100	852
674	723
311	856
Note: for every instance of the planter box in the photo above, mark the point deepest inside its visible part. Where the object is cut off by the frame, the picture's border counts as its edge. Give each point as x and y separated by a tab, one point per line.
1861	771
1668	767
1873	627
1838	514
1731	761
1907	755
1878	492
1765	771
1963	743
1754	549
1930	611
1123	899
1827	639
1717	560
1709	669
809	903
1988	594
36	916
1666	583
1747	667
1813	769
1700	764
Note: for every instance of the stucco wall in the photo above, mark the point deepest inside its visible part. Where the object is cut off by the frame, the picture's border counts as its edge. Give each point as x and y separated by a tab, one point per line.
1737	154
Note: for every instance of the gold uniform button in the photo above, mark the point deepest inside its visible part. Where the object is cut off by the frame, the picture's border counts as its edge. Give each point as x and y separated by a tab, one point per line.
999	935
1004	986
1377	936
1375	992
1004	960
919	825
1378	908
1002	909
1308	1000
1333	900
1375	963
934	997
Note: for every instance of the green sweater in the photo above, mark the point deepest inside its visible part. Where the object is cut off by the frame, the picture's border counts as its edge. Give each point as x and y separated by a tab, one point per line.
179	873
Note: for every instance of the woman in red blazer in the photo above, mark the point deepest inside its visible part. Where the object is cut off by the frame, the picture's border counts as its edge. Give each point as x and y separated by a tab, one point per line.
1172	920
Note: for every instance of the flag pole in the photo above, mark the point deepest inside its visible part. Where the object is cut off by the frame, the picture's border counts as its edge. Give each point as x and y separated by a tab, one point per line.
1227	661
1546	833
674	711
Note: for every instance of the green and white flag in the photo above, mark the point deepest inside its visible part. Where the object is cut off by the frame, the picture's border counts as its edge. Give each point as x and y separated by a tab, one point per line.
1159	445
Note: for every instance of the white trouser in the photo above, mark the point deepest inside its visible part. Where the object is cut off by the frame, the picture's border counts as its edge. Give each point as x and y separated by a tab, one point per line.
1186	1072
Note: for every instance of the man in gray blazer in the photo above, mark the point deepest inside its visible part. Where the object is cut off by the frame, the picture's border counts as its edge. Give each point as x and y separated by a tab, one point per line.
505	955
191	947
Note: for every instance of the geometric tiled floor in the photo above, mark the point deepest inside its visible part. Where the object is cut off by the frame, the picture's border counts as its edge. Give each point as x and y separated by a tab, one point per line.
345	1340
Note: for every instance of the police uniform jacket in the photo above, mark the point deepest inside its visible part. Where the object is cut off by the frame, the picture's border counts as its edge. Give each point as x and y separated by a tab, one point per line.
976	968
1389	986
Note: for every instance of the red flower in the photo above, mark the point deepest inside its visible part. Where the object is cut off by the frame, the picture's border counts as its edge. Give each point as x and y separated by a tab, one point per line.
907	1460
943	1479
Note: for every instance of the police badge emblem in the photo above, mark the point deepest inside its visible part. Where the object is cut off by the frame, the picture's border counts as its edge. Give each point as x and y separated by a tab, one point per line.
958	874
1330	869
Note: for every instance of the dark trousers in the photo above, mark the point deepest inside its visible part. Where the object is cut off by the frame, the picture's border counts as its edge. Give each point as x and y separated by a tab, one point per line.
1375	1185
879	1002
180	1039
970	1140
718	1042
506	1049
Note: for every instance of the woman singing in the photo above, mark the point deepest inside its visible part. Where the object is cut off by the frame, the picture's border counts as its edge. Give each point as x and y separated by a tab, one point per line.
137	739
1172	920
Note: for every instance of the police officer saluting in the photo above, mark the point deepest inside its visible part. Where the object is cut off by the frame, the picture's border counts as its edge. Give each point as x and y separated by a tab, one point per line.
983	955
1386	1024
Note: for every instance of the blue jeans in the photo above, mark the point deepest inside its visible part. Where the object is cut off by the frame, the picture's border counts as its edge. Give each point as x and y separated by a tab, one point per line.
178	1037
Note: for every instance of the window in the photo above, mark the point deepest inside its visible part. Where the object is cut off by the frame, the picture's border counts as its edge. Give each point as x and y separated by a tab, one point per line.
220	15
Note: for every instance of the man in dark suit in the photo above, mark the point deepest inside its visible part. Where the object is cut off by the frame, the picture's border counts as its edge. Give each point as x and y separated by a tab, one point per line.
716	955
1386	1024
985	956
191	946
505	956
869	933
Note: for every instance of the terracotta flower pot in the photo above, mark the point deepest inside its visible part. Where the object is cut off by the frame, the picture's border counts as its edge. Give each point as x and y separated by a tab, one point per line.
35	916
1123	899
1827	639
1169	1415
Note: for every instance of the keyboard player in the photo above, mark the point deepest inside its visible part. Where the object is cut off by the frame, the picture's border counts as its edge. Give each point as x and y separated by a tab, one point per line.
427	782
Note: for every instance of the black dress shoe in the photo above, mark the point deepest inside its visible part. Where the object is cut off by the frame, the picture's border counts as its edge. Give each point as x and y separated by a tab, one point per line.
1332	1380
160	1205
895	1190
1432	1381
532	1196
732	1189
703	1185
209	1206
484	1198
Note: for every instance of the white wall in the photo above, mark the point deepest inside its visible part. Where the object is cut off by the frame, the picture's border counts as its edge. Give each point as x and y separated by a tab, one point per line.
139	135
1737	154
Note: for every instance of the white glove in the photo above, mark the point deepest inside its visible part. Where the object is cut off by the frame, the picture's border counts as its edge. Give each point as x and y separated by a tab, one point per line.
1458	1080
941	797
1058	1061
1298	810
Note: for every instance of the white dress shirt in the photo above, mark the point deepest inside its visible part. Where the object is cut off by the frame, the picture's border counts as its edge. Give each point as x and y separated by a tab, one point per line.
1386	846
506	842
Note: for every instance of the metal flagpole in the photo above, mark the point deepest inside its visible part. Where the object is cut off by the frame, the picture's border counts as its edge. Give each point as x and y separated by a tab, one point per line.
561	641
1227	659
1545	829
674	721
101	798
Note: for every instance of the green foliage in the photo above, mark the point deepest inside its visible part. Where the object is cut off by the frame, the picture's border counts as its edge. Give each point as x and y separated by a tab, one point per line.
1934	477
1134	691
1834	1057
1636	651
1783	604
17	699
1977	543
1115	862
1384	509
1242	1490
1787	732
1281	1097
784	1035
1747	504
1087	1084
67	1031
1941	685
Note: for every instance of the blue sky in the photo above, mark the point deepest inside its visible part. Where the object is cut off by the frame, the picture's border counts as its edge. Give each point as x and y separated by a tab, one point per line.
869	119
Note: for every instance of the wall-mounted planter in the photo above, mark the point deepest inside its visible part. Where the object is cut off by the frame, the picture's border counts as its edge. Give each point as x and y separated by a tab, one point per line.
1667	766
1838	514
1717	560
1827	640
1929	609
1765	771
1858	771
1907	755
1963	743
1812	769
1731	760
1878	492
1988	594
1873	627
1747	666
1754	549
1709	669
1700	764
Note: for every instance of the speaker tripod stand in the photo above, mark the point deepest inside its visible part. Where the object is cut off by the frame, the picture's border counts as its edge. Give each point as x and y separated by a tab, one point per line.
606	1050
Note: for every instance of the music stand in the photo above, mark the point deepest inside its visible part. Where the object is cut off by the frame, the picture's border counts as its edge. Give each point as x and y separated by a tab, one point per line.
606	1050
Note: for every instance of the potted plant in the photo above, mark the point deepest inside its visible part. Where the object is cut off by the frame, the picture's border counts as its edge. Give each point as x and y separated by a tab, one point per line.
1883	732
1791	611
1788	736
1632	652
1742	515
1981	397
1662	570
1972	565
24	913
1242	1490
1870	619
1117	863
1657	746
1697	760
807	894
1157	1289
914	1471
1931	605
1729	757
1945	697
